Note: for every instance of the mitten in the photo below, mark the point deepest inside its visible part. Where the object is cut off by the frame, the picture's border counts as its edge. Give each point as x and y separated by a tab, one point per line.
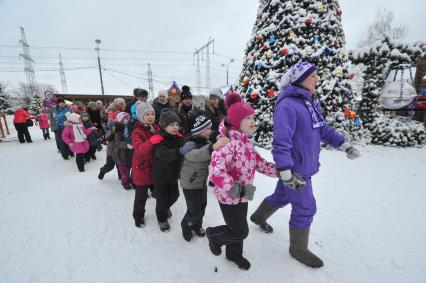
156	139
292	180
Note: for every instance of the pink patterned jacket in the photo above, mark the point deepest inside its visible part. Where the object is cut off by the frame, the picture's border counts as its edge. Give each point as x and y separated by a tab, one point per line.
237	160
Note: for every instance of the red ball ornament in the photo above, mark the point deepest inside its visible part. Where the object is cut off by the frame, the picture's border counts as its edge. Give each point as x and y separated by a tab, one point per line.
351	76
284	51
266	46
246	82
334	42
308	21
271	93
254	57
339	13
259	37
253	95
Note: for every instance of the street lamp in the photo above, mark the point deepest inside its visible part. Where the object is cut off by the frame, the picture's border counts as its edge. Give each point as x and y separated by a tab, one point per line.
227	68
98	41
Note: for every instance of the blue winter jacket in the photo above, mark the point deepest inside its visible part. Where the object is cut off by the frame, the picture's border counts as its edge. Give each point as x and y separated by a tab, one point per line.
296	144
59	114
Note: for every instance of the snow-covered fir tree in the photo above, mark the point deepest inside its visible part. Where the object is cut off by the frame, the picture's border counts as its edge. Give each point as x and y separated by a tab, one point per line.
379	59
285	32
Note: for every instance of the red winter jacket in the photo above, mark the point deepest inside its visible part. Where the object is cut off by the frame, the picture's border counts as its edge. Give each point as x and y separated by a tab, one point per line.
21	116
143	154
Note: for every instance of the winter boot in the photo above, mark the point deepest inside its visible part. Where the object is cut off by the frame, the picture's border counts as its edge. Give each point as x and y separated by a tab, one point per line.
200	231
169	213
164	226
140	223
186	231
101	175
242	262
215	248
299	239
262	213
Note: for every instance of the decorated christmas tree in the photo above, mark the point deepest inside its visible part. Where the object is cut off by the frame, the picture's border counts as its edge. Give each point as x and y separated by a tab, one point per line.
285	32
5	104
380	59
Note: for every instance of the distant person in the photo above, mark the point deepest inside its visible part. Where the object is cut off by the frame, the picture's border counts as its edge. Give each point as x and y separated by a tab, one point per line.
20	119
214	111
60	118
161	102
140	94
186	111
43	122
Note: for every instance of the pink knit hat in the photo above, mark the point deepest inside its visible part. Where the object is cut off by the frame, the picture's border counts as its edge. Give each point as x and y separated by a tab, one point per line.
121	116
237	112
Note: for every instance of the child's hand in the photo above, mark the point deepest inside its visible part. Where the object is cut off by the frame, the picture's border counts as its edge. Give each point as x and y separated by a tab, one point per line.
71	144
94	128
156	139
221	142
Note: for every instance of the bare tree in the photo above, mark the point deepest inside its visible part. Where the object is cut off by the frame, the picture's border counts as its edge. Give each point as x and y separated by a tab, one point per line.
383	27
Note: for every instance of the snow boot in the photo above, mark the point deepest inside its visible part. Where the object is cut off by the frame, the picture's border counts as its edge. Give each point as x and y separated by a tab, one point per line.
299	239
262	213
215	248
186	231
140	223
200	232
241	262
101	175
169	213
164	226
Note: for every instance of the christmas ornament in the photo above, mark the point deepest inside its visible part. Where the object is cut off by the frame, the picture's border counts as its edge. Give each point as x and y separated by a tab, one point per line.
351	76
308	21
320	8
246	81
284	51
253	95
339	73
271	93
266	45
254	58
268	54
291	35
259	37
316	39
327	51
272	40
339	13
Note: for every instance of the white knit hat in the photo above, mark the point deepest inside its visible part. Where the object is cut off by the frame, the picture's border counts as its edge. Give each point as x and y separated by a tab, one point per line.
73	117
121	116
163	92
142	108
119	100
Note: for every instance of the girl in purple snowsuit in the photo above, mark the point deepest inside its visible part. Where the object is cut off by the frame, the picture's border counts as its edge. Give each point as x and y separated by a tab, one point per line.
299	128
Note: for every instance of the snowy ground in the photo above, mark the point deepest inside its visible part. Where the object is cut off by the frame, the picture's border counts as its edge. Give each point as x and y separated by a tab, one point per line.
58	225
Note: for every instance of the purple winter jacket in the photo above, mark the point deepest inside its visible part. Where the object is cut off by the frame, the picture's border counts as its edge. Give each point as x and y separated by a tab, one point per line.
296	144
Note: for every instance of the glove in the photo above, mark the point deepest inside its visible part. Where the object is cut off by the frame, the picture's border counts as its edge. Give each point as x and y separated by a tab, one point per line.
129	146
351	152
156	139
292	180
187	147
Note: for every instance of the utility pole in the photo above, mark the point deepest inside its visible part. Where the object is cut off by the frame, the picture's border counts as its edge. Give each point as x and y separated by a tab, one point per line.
227	71
98	41
62	73
150	82
29	70
197	53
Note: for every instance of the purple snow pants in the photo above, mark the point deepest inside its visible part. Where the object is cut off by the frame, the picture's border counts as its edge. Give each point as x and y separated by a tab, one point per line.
303	205
125	174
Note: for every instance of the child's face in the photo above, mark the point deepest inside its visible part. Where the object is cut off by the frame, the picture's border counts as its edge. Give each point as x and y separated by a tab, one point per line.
122	106
214	101
187	102
206	132
126	120
149	118
172	129
61	104
247	124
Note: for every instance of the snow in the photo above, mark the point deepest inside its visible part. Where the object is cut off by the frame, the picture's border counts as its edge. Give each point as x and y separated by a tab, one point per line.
58	225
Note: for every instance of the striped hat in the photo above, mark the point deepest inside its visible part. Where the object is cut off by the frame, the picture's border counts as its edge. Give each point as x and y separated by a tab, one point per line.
200	123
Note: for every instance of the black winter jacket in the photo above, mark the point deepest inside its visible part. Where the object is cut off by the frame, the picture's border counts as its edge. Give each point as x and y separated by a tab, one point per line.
167	159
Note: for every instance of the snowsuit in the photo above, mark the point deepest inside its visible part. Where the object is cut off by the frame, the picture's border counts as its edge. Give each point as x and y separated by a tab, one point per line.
121	153
299	128
43	122
165	173
79	148
59	117
193	180
20	122
93	143
142	166
236	161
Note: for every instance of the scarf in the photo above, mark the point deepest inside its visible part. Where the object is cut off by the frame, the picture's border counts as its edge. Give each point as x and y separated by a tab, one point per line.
79	135
316	114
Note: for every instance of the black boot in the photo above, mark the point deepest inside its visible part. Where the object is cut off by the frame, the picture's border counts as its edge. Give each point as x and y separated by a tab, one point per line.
140	223
164	226
215	248
101	175
262	213
200	231
299	239
186	231
169	213
242	263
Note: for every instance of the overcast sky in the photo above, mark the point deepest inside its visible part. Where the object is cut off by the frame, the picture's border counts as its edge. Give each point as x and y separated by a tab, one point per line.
164	33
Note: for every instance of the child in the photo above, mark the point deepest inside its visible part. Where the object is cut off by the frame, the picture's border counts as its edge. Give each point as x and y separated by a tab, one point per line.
74	135
122	151
43	122
91	137
232	171
142	158
194	173
59	115
165	171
